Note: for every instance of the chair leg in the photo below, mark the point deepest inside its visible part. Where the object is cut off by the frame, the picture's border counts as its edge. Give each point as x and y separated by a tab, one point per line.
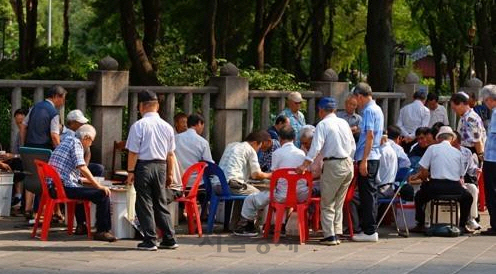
228	205
350	222
71	209
432	212
278	224
214	203
404	220
302	224
87	213
198	220
316	218
268	220
190	212
451	213
47	219
38	215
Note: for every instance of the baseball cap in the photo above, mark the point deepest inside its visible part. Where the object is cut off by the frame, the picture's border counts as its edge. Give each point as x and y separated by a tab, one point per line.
328	103
146	96
77	115
295	96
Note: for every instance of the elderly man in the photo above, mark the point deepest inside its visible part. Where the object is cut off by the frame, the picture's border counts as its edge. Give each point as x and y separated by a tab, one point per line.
444	164
180	122
334	140
438	112
306	137
68	160
350	116
288	156
388	167
488	94
150	167
240	163
394	139
470	125
268	147
296	117
413	116
368	155
281	121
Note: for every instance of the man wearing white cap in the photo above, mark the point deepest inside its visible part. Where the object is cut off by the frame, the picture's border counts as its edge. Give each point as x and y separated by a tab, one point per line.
445	165
296	117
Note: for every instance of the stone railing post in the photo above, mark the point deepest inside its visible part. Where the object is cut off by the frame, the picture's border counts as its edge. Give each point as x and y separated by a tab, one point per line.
472	86
412	84
109	99
329	86
231	102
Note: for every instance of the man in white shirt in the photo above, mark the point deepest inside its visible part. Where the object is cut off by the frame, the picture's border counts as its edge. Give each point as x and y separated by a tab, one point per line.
388	168
334	140
438	112
191	147
287	156
394	139
240	163
413	116
445	165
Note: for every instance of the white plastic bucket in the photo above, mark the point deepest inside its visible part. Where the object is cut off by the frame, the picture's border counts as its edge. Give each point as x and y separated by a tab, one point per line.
6	182
121	228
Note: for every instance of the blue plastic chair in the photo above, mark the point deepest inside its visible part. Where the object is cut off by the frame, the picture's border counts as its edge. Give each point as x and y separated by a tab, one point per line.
214	197
402	177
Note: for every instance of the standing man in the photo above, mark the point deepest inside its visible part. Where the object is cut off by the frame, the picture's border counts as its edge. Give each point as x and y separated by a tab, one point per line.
350	116
334	140
489	98
296	117
368	155
150	166
470	126
413	116
41	127
437	111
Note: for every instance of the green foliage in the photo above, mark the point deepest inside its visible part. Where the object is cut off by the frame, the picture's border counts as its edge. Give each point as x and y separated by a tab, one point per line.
272	79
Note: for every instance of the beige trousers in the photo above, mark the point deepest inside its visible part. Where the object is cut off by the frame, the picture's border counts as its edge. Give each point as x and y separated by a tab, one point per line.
335	180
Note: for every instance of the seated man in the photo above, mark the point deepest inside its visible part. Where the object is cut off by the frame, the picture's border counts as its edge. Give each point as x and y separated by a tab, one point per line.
394	139
265	154
424	140
180	122
445	165
68	160
306	138
388	167
240	163
288	156
470	169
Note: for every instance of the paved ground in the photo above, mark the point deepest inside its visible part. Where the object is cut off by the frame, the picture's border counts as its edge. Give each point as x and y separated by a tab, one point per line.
228	254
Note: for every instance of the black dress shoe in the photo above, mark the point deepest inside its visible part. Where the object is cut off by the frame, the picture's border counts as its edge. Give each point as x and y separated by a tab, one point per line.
489	232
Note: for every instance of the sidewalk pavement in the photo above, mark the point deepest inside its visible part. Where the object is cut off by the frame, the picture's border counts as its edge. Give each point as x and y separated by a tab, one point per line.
225	253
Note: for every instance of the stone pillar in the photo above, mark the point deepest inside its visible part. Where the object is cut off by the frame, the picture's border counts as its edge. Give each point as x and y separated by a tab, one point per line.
412	84
109	99
472	86
231	102
329	86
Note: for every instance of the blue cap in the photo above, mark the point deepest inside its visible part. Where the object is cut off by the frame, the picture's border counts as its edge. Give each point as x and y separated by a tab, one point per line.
328	103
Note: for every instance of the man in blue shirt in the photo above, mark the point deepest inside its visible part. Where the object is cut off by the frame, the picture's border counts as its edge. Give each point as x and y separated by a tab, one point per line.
296	117
368	155
489	98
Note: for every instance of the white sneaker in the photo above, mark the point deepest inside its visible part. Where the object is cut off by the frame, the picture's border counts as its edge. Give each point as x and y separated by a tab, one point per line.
362	237
472	225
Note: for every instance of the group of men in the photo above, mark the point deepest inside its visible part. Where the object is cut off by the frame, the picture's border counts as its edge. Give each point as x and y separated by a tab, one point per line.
328	150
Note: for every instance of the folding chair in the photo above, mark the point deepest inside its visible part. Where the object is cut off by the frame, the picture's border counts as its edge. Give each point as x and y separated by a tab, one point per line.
396	199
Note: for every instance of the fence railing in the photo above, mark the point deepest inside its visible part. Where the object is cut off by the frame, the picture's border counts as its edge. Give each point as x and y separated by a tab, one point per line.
37	89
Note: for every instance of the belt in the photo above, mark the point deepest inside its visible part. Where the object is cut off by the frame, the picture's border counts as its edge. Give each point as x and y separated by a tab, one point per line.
334	158
154	161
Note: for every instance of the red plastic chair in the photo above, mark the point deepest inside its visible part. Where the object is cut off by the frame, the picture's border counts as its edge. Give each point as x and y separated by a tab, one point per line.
349	197
482	192
291	202
47	203
189	201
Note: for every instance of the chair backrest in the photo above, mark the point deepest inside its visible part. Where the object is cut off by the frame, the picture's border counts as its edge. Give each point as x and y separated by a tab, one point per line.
404	178
292	178
350	193
45	172
214	170
401	173
197	169
28	155
119	148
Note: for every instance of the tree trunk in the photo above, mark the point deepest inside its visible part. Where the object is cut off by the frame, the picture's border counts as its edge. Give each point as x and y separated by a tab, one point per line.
151	18
18	8
65	43
211	40
380	45
485	39
141	65
479	63
31	24
317	59
264	25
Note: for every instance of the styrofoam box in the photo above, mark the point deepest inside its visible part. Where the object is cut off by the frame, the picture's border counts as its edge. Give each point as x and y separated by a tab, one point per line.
6	182
409	209
444	214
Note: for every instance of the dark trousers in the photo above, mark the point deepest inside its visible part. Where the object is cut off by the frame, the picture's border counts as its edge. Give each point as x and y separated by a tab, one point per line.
151	200
97	197
433	188
367	189
96	169
489	170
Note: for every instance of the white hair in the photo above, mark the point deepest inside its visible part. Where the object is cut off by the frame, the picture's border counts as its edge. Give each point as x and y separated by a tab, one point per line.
488	91
86	131
307	131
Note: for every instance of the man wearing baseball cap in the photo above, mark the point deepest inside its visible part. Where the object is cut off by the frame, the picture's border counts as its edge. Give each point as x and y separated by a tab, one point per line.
296	117
334	140
74	120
